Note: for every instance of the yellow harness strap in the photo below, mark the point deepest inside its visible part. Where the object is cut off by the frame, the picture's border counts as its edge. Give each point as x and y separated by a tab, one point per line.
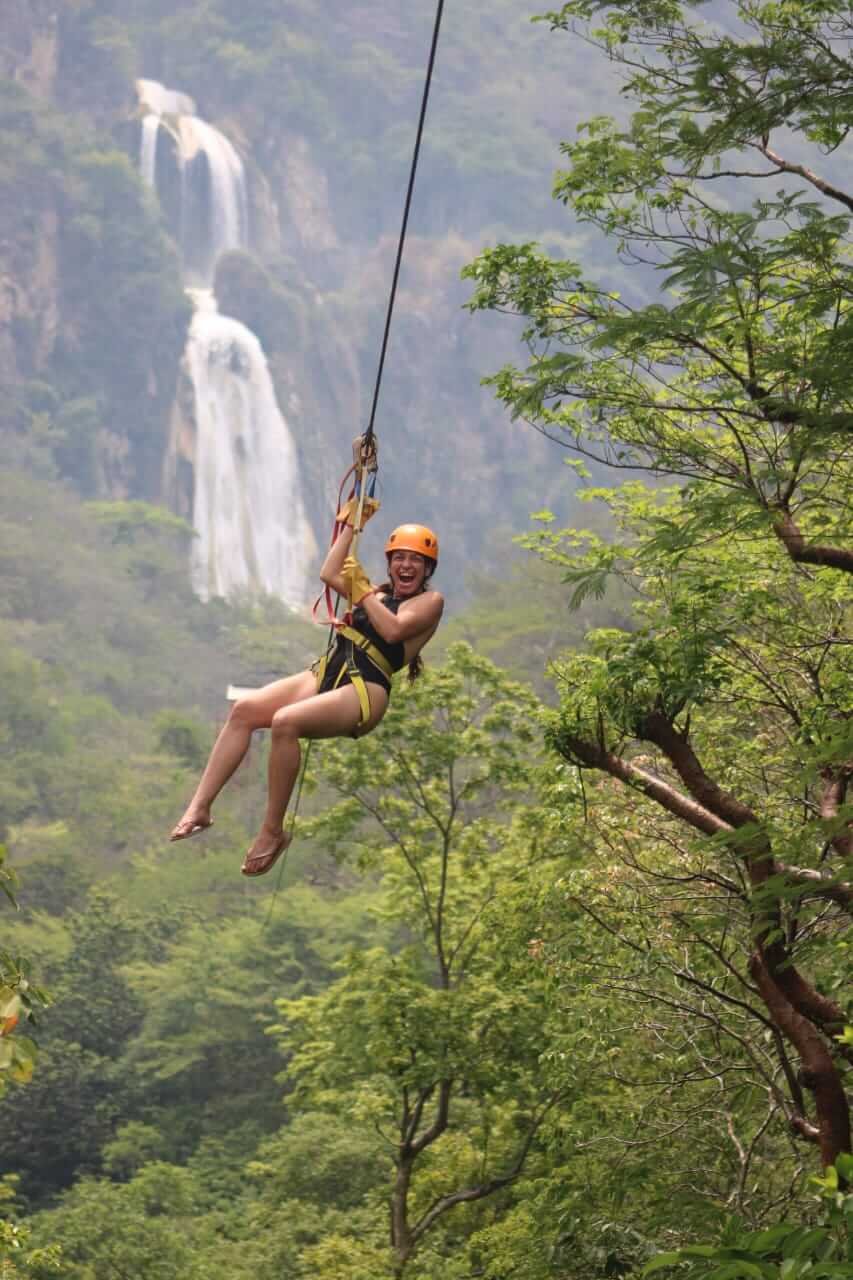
358	641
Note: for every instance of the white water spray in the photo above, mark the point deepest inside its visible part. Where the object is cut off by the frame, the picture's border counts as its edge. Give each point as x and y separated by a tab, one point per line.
249	517
253	534
162	101
148	149
224	208
214	214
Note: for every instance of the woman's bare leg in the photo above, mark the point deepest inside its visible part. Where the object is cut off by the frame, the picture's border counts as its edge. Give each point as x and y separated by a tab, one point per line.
255	711
327	715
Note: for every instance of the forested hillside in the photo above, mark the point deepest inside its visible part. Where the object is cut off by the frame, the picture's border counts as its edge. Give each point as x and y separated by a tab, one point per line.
323	118
555	980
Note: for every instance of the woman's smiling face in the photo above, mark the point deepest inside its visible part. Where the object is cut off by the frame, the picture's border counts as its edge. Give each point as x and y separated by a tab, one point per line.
407	570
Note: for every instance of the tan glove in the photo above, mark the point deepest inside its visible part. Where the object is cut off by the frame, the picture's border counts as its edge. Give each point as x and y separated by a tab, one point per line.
349	511
357	582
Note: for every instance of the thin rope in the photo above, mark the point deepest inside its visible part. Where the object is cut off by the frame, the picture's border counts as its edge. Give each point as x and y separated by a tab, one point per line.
292	828
368	435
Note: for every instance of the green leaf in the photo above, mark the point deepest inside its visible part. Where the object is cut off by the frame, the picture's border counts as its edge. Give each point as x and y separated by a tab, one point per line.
662	1260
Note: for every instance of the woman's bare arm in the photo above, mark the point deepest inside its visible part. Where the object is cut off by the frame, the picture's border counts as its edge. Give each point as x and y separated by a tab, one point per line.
330	573
422	613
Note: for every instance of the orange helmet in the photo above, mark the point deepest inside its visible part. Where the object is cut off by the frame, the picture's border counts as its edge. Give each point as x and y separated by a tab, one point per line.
413	537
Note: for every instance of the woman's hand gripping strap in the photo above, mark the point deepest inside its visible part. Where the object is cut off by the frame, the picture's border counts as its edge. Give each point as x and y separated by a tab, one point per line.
348	514
358	583
365	461
354	510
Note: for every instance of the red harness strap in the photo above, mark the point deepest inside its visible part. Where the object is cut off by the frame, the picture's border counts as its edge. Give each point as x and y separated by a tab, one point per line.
337	529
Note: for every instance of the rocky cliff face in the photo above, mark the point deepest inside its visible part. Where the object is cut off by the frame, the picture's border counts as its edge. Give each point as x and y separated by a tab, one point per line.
91	326
291	210
29	50
29	298
90	288
29	277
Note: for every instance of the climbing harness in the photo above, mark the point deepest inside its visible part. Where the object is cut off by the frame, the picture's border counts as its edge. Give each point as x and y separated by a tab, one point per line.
354	640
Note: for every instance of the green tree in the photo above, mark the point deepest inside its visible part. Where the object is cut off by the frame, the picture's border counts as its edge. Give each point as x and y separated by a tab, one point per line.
724	710
16	1256
148	1228
737	377
20	999
431	1042
786	1251
33	736
201	1054
81	1089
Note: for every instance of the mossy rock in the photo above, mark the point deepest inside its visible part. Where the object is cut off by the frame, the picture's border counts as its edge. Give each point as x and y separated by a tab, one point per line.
250	293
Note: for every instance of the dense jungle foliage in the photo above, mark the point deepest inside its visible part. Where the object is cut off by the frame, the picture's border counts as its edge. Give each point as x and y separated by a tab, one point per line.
556	981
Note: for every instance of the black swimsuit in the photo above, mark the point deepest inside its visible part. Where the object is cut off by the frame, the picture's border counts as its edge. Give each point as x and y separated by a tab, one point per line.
343	653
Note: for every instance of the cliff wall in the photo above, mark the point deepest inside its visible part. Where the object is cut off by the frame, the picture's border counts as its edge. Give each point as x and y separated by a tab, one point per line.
92	316
29	50
29	278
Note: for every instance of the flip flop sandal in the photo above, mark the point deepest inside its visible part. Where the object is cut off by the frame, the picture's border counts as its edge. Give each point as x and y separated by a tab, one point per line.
268	859
194	830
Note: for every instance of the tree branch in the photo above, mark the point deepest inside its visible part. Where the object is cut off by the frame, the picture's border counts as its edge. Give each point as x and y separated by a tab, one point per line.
414	1118
802	552
818	1073
580	751
834	193
438	1125
837	891
656	727
836	782
465	1195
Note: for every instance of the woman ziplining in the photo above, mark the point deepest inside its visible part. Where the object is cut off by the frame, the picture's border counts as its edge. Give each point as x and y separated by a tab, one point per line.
345	693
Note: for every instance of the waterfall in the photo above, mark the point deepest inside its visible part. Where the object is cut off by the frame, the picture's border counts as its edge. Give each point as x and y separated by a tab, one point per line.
252	532
162	101
248	512
214	207
148	149
213	199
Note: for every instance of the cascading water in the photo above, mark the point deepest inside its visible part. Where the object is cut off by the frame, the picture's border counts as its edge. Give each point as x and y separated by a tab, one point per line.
253	534
213	198
148	149
248	512
155	97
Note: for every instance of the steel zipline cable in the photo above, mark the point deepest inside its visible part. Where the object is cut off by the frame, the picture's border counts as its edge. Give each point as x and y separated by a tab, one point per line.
361	469
368	435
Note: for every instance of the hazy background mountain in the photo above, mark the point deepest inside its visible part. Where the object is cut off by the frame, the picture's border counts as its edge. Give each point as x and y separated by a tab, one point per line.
103	638
322	111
